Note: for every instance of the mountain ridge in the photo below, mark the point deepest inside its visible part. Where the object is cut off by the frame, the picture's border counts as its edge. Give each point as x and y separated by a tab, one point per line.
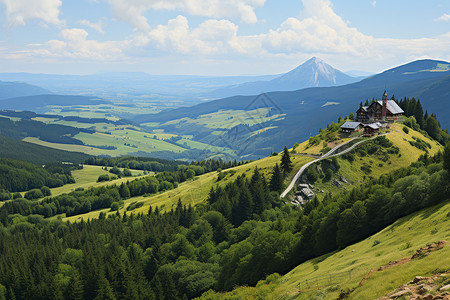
315	72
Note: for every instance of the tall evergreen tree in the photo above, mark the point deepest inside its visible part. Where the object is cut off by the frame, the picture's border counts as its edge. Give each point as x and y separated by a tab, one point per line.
447	157
286	164
418	114
124	191
276	182
258	189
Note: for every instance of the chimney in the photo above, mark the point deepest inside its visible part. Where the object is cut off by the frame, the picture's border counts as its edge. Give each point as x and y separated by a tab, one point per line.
384	110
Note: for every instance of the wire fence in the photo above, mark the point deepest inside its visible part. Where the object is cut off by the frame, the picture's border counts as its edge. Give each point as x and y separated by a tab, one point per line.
324	281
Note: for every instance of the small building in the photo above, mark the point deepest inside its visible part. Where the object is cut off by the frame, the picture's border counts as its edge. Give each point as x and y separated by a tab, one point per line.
305	192
384	110
350	127
371	129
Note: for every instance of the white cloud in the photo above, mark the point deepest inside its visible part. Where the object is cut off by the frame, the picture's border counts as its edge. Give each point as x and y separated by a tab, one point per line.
18	12
132	11
444	17
98	26
373	3
210	37
75	44
319	29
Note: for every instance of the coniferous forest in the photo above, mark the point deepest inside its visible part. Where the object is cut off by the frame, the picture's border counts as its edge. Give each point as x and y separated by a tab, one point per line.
241	235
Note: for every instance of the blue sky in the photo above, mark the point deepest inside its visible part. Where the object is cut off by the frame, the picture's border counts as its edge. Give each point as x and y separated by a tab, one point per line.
218	37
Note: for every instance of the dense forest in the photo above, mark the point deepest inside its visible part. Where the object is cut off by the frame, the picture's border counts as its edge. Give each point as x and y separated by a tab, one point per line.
423	121
136	163
18	176
159	165
241	235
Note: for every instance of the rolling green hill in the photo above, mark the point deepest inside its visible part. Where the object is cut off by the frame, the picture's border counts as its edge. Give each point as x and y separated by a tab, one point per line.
11	148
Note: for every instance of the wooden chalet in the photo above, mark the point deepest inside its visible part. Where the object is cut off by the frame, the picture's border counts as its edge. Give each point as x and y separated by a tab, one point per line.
372	129
350	127
384	110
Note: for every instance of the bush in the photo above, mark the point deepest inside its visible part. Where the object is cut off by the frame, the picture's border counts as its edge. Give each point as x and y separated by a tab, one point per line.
46	191
103	177
34	194
115	206
127	173
405	129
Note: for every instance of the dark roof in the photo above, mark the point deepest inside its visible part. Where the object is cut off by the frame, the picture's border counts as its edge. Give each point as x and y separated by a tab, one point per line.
392	106
350	125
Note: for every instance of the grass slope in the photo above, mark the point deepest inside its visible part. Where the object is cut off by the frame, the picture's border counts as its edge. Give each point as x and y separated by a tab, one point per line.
352	170
397	241
196	191
11	148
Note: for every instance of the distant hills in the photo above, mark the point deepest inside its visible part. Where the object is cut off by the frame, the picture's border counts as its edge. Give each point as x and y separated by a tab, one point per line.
19	89
305	111
38	102
128	86
313	73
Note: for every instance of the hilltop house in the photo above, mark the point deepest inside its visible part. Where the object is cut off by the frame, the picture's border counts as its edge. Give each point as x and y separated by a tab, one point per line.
350	126
384	110
372	129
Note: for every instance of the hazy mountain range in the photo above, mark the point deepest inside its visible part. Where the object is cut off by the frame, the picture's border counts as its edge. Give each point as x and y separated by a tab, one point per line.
139	85
307	110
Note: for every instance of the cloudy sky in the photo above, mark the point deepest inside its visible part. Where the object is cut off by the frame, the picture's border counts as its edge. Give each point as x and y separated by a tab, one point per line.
218	37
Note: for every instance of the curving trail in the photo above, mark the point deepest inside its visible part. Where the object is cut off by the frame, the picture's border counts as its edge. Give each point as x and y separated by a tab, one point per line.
327	155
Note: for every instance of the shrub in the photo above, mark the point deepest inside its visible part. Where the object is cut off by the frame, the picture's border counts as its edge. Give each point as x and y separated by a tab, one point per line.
46	191
405	129
103	177
115	206
34	194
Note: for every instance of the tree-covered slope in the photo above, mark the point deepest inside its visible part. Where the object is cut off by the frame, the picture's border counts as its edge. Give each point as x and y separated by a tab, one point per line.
341	272
15	149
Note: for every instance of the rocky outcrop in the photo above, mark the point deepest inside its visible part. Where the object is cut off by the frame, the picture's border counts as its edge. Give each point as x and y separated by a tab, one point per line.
423	288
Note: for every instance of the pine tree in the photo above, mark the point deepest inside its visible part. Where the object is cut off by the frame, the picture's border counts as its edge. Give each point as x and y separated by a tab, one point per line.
258	189
447	157
351	116
418	114
244	207
124	191
276	182
76	287
286	164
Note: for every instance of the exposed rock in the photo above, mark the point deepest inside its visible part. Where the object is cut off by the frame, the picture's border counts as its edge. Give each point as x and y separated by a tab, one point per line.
337	183
418	279
445	287
399	294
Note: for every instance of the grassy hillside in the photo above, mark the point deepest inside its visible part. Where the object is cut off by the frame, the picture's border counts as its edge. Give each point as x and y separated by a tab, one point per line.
196	191
11	148
398	241
87	177
357	171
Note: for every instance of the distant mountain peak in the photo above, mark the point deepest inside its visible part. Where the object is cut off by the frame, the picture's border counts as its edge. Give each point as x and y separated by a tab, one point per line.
314	72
